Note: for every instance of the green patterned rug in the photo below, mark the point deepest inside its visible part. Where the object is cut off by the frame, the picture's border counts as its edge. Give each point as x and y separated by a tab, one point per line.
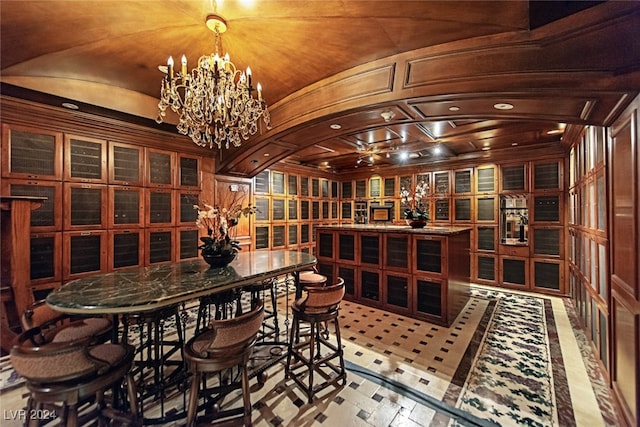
512	378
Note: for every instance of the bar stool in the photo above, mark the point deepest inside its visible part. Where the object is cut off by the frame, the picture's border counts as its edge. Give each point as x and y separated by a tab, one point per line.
319	305
311	278
39	314
227	344
54	326
74	373
270	331
155	368
224	305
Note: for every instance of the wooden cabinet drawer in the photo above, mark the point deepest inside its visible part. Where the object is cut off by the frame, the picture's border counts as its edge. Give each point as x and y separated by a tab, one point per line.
513	250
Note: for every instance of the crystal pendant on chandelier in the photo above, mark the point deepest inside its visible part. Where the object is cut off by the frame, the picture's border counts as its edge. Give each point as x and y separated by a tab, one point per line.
214	103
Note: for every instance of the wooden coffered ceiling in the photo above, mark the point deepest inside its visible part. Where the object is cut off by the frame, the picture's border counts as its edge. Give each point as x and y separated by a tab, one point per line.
439	68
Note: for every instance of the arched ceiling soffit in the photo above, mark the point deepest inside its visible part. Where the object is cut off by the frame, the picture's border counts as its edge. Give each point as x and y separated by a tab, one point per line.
445	96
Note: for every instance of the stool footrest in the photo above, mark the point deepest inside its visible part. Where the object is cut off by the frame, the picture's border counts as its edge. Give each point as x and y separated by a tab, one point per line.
328	380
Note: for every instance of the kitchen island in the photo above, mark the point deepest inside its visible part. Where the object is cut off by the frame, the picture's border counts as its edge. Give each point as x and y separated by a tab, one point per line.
423	273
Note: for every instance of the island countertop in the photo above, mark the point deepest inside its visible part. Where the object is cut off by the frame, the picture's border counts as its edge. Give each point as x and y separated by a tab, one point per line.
383	228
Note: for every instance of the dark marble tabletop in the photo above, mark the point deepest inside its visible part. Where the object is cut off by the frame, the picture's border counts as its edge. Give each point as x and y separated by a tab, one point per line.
149	288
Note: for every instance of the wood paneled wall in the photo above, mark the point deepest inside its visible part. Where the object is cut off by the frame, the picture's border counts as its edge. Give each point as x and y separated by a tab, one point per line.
106	207
624	210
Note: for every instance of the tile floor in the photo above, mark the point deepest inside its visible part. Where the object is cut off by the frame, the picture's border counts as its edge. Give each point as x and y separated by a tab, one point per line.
405	372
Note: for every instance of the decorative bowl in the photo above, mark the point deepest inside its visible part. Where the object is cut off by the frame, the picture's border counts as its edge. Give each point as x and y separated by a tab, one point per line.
219	260
416	223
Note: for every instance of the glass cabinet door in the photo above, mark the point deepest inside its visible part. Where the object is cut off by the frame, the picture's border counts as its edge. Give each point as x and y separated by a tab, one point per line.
325	246
374	187
441	181
462	181
361	189
347	247
397	248
370	245
160	167
86	159
370	285
397	291
514	178
486	179
31	153
348	274
125	164
277	183
389	187
429	255
189	169
441	210
429	297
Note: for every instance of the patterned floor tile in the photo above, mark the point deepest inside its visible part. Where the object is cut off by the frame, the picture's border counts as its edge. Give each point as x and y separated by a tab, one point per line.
472	365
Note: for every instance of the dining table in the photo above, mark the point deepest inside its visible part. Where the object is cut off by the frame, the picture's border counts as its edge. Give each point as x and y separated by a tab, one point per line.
136	292
143	289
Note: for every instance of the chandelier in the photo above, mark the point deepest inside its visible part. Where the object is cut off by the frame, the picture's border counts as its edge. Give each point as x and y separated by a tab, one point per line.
215	103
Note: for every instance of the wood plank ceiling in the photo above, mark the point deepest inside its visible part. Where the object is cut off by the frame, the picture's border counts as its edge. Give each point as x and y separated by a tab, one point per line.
439	69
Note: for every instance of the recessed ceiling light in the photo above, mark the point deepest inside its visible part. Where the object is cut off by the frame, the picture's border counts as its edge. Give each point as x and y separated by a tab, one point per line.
437	149
454	108
266	154
387	115
514	144
414	155
335	126
503	106
404	155
486	148
70	106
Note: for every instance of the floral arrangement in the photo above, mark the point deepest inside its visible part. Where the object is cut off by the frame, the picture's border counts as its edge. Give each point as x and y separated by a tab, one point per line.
418	202
219	221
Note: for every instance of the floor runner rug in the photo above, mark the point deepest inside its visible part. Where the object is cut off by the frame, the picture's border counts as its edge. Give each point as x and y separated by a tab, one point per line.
9	378
518	372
